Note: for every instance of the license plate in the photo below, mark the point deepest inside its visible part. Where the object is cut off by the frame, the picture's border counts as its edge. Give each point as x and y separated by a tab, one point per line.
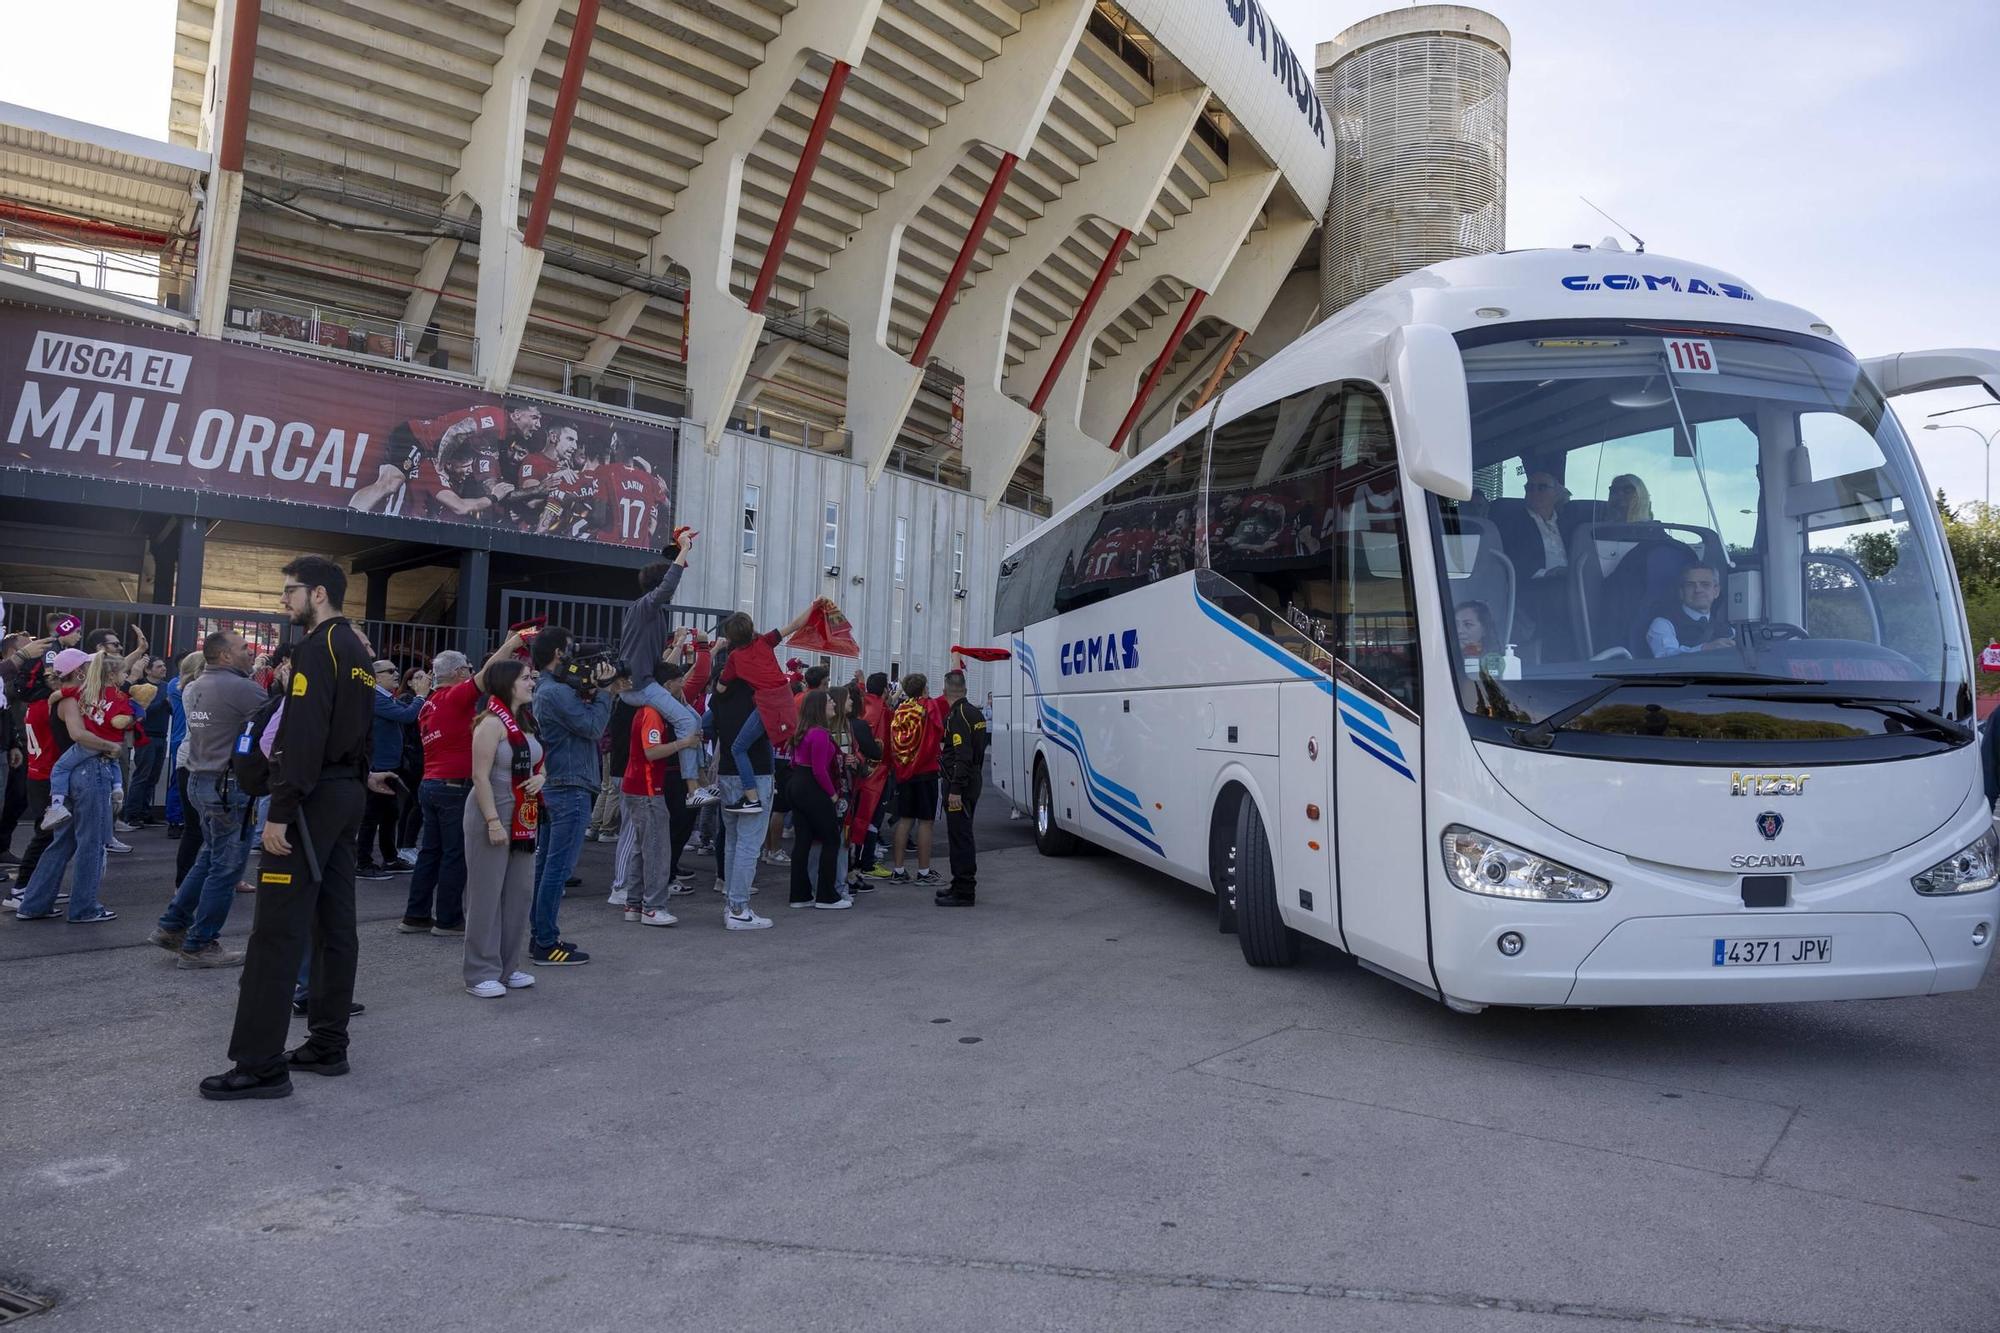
1773	952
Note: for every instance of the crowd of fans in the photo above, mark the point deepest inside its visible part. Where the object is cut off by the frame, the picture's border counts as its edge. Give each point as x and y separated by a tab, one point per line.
481	784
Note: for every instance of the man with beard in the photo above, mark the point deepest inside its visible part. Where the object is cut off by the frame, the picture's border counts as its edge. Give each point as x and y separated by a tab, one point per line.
305	880
463	481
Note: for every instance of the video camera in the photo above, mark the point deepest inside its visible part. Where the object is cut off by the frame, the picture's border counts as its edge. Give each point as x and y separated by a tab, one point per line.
579	669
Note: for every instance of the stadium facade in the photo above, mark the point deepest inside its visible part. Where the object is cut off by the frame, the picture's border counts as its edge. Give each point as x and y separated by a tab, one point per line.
481	293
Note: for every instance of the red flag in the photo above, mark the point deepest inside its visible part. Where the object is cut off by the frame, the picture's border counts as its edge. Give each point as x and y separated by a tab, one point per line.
982	654
826	631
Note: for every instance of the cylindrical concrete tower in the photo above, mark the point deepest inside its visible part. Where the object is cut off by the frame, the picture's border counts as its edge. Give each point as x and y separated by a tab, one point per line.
1418	98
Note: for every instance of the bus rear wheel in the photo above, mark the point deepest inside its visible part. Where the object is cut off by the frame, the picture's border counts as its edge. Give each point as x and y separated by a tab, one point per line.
1050	840
1267	941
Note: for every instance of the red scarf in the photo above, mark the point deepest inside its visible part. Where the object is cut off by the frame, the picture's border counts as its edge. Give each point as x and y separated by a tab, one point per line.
527	809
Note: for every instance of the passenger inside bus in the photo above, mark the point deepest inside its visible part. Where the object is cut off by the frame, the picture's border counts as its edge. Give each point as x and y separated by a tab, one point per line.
1477	634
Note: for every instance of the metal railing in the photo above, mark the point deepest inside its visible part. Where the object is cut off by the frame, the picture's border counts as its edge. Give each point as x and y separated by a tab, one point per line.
595	619
173	631
352	333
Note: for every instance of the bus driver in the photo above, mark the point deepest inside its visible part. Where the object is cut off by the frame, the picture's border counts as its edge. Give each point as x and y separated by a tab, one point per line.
1691	627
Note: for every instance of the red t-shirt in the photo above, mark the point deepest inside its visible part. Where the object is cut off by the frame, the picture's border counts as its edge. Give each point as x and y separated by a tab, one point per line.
643	776
445	725
490	422
41	737
423	493
97	721
631	511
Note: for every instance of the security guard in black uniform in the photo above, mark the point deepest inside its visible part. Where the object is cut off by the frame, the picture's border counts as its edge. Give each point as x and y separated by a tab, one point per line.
305	881
963	767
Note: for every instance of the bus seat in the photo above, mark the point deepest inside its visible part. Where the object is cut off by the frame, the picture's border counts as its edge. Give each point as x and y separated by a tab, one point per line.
1621	570
1478	568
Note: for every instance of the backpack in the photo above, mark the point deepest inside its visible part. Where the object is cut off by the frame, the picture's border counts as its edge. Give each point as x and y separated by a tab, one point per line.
907	728
248	764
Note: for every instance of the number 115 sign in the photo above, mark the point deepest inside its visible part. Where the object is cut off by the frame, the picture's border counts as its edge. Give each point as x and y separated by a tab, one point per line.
1691	356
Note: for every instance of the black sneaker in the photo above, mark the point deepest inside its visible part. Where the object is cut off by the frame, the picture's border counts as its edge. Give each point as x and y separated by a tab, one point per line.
862	885
746	804
240	1085
415	925
560	954
927	877
899	877
307	1060
952	898
573	882
369	870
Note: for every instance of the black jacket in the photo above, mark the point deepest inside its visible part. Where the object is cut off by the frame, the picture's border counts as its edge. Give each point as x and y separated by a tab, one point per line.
329	720
964	757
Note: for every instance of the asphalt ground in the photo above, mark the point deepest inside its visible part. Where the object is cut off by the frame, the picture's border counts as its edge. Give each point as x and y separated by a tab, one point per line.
1072	1107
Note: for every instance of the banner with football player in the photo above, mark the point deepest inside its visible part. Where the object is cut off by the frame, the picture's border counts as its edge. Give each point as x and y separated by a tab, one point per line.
124	402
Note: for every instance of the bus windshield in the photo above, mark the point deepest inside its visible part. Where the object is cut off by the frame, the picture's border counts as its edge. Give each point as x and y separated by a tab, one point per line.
1678	533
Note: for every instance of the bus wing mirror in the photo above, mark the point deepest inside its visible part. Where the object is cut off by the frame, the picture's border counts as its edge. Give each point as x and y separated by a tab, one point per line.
1943	368
1433	415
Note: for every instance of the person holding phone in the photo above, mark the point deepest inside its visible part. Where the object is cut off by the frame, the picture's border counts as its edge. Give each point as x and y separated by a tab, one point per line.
499	862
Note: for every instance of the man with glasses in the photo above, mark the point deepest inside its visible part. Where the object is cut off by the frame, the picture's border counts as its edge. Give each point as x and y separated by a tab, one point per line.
1532	534
395	709
305	882
1692	626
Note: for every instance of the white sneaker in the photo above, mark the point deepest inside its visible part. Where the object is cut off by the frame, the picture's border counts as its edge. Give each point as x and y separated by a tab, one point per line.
120	826
777	858
748	921
116	846
11	904
520	981
657	916
704	796
487	990
631	911
617	898
55	816
720	887
407	858
837	905
680	889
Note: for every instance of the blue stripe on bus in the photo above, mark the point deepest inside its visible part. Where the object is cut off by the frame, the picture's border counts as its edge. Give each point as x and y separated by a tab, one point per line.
1063	731
1360	704
1366	748
1260	643
1381	740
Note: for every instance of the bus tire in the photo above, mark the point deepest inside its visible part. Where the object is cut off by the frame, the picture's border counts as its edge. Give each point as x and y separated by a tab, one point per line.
1266	940
1050	839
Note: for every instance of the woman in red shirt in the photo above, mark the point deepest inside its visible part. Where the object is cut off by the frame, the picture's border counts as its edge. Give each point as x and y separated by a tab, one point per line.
82	837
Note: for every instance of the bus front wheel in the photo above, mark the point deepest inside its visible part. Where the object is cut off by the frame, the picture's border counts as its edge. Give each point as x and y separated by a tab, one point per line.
1050	840
1267	941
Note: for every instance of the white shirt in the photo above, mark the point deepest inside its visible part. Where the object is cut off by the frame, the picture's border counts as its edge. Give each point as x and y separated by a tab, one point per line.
1553	555
1660	636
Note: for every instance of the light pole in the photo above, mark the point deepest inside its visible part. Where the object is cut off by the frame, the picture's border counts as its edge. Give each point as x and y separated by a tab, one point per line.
1986	439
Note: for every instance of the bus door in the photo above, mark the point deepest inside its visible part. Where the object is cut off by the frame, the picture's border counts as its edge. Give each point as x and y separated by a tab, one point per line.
1378	756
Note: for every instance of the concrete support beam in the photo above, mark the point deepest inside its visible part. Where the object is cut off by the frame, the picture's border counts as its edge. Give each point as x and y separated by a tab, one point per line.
1197	251
234	69
701	230
1004	108
1119	189
489	174
764	367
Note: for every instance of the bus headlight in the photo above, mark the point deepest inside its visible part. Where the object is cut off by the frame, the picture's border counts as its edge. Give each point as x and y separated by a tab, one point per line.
1970	870
1479	863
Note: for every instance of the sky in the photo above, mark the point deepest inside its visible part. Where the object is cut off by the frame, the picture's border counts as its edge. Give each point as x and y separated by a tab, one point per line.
1836	154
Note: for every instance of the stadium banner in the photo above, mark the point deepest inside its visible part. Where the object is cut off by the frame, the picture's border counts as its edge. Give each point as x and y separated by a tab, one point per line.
94	398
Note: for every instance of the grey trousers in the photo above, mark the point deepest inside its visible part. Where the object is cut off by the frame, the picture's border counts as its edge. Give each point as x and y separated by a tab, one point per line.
499	891
652	850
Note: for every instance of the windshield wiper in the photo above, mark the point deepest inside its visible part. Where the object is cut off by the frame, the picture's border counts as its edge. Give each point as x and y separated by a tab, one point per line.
1935	723
1542	735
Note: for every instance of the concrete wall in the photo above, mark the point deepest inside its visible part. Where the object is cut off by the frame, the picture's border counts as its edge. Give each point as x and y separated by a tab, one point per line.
911	622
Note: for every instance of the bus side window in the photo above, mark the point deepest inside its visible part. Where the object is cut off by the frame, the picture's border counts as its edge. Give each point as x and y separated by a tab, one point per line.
1377	633
1271	514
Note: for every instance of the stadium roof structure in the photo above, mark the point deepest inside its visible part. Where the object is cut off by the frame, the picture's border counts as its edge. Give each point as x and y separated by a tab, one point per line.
931	233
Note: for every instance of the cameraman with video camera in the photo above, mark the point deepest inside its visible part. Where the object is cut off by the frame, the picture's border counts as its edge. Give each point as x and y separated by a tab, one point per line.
572	707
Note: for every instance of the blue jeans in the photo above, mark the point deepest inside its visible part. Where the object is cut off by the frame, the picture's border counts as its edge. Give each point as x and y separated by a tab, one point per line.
440	868
558	844
80	837
146	764
746	838
73	758
747	736
201	904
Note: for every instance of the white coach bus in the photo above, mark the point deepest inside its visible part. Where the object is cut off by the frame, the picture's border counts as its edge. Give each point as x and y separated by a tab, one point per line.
1549	628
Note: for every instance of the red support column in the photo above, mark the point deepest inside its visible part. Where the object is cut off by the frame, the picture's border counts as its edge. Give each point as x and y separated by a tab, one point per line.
560	118
1082	317
781	235
242	64
1188	312
949	291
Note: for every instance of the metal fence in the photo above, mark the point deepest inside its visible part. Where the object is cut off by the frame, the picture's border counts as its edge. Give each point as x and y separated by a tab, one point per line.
172	631
595	619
